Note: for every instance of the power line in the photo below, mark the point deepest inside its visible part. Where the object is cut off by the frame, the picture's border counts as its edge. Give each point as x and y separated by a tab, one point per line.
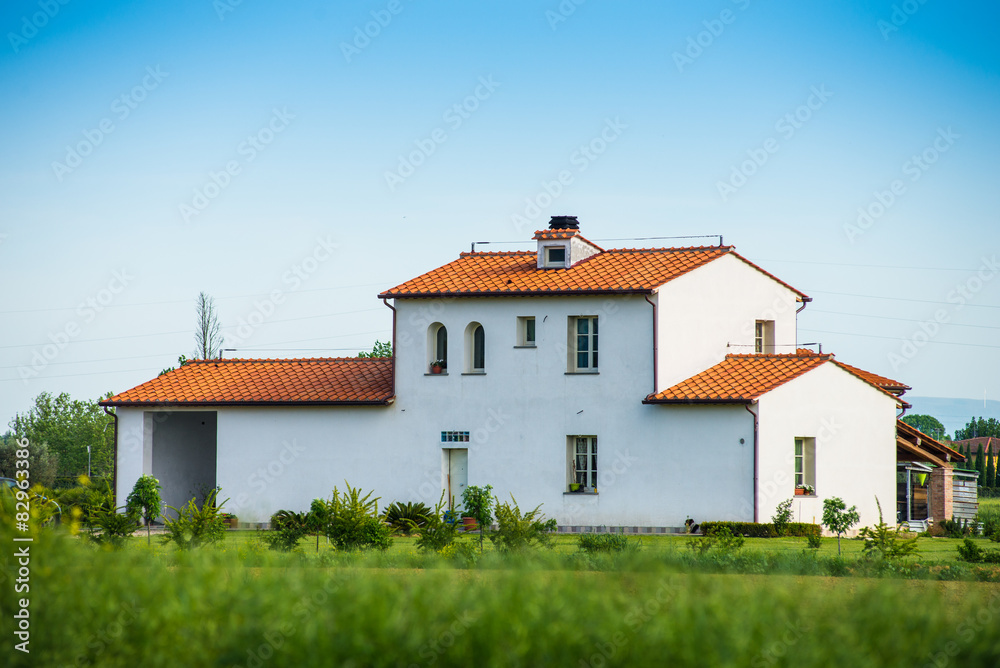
899	299
182	331
897	338
866	266
885	317
189	301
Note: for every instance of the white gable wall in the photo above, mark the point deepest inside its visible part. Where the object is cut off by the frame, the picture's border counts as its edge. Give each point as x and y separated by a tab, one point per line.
714	305
855	430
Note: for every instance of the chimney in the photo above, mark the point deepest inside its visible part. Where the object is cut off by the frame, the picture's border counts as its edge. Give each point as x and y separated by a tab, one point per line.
561	246
564	223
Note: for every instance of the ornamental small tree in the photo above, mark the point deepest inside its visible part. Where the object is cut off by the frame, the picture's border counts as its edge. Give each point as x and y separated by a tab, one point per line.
838	518
144	500
782	516
478	502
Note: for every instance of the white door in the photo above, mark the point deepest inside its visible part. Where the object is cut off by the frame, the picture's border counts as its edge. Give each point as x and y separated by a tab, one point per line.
456	474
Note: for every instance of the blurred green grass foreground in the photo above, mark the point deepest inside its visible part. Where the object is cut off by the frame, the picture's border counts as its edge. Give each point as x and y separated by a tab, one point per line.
770	602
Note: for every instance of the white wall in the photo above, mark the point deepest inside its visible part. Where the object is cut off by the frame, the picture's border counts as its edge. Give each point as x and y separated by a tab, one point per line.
855	430
714	305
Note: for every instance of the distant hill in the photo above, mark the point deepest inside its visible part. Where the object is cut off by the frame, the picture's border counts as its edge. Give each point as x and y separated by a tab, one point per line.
953	413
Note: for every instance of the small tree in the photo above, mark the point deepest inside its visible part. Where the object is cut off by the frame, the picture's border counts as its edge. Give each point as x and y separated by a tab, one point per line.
980	466
381	349
782	516
207	334
838	518
478	502
144	500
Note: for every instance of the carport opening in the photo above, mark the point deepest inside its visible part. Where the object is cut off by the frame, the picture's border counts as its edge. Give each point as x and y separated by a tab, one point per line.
184	456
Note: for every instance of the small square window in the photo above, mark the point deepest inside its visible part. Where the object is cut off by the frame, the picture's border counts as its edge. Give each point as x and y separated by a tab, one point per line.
526	331
555	256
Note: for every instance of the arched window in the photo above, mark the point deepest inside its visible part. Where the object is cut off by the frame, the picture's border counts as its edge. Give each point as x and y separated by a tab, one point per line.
475	348
437	346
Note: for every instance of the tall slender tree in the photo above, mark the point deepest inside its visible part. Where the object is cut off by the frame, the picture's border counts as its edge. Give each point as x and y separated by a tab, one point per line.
981	466
991	471
207	335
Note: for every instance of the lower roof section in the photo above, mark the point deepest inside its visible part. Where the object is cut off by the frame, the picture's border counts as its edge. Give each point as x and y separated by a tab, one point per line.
742	379
266	382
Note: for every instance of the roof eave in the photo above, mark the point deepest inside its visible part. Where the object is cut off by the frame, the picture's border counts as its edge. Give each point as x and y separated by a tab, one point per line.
186	404
731	400
517	293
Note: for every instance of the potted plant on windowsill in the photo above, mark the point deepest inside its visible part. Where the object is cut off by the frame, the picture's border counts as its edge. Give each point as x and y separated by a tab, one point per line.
437	366
574	487
804	490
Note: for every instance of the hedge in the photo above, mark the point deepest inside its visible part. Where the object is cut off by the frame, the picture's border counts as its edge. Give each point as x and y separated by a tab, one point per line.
762	530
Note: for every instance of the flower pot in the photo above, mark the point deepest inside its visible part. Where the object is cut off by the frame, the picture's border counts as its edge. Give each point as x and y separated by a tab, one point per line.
799	491
469	523
574	487
436	369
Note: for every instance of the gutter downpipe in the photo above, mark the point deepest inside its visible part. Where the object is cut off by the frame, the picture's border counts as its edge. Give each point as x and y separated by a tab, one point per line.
756	457
114	467
393	362
656	385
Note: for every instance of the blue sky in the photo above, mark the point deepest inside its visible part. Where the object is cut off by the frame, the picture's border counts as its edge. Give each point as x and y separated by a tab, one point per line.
153	151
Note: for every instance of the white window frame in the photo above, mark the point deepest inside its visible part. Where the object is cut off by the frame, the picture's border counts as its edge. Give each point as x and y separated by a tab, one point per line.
434	350
470	349
524	324
592	339
549	262
804	462
763	337
586	477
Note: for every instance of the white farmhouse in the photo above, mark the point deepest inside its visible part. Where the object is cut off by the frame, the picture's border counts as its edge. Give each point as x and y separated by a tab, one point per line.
618	387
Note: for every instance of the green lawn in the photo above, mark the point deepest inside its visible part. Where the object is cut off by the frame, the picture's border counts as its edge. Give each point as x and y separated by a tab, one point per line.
930	549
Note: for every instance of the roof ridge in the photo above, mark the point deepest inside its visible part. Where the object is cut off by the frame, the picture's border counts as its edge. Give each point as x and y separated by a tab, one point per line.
470	253
668	249
271	360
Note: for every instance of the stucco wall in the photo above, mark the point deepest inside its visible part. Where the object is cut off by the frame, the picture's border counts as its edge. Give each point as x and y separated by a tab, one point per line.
855	430
714	305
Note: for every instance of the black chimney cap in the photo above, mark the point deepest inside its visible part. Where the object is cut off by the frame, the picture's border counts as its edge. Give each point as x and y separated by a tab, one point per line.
564	223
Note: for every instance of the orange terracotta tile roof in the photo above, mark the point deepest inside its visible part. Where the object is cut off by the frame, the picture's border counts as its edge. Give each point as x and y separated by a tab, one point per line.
610	271
889	384
544	235
266	381
745	378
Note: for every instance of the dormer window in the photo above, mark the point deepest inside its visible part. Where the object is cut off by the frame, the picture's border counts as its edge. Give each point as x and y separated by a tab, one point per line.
555	256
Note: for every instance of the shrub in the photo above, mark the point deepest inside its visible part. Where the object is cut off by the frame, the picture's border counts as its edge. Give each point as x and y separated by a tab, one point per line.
955	528
762	530
439	530
969	551
814	541
516	532
287	529
782	516
718	539
604	542
351	521
461	552
406	517
478	503
885	541
990	519
109	527
196	526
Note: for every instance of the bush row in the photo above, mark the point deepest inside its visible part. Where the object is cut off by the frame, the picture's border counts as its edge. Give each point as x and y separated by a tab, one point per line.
763	530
